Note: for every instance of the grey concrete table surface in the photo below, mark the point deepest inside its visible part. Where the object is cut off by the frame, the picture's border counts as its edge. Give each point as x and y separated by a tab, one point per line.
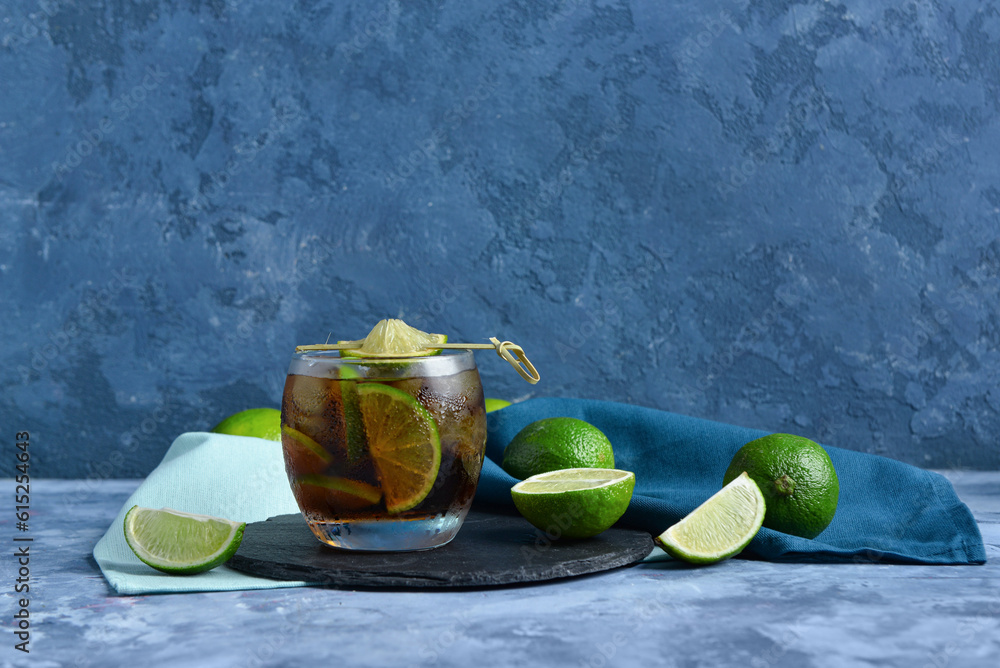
738	613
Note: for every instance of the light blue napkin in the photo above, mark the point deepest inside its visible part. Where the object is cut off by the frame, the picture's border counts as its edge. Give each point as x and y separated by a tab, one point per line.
235	477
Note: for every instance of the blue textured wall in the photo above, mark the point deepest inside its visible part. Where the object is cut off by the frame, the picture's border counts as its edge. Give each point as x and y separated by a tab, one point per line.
774	214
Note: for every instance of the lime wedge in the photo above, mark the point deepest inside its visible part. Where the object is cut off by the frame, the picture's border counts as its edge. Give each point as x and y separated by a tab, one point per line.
181	543
340	493
574	503
719	528
403	442
394	338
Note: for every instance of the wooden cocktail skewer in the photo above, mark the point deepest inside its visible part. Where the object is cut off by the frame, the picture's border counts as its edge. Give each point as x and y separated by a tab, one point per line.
511	352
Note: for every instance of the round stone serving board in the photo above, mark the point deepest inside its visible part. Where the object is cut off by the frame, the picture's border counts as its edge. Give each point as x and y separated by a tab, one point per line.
490	550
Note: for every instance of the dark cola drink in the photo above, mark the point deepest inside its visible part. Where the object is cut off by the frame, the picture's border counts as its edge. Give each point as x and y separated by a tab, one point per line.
383	454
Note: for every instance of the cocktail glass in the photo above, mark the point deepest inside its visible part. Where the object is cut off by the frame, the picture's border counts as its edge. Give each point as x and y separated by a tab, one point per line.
383	454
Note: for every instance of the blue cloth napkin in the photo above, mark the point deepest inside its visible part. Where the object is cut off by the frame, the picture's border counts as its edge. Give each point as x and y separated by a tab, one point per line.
888	512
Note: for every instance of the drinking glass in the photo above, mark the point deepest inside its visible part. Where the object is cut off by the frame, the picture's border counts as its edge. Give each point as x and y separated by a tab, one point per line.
383	454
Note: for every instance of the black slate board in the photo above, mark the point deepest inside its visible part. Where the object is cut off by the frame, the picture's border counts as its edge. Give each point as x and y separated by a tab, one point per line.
490	550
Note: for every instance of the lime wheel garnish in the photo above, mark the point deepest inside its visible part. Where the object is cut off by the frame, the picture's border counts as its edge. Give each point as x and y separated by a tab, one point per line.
394	338
403	442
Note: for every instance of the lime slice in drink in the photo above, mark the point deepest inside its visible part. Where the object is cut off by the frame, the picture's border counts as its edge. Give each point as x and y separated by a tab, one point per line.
303	451
394	338
403	442
306	443
354	428
339	493
574	503
719	528
181	543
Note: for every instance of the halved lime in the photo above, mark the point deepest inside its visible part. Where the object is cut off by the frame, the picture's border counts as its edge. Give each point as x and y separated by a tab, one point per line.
340	493
394	338
719	528
181	543
574	503
403	442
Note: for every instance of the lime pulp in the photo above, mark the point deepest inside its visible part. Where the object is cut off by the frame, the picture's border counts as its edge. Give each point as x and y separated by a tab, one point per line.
181	543
574	503
720	527
394	338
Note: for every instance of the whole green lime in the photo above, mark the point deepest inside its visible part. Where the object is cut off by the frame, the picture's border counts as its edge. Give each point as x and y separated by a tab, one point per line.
256	422
797	478
557	443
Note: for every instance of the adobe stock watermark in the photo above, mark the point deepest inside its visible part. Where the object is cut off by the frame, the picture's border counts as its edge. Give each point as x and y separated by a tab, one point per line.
432	651
778	649
918	165
128	441
748	334
694	47
427	316
871	556
593	320
304	610
922	162
967	632
122	107
555	530
928	329
31	26
244	153
565	10
605	652
318	252
425	149
580	156
791	122
85	313
378	23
